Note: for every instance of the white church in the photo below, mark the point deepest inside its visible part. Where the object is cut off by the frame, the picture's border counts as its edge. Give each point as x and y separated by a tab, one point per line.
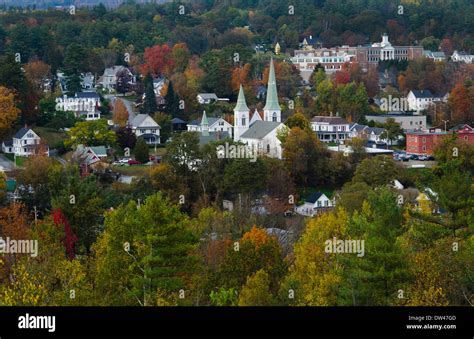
255	132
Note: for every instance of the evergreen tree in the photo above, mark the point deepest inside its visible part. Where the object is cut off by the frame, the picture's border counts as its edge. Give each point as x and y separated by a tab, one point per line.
149	104
172	102
141	151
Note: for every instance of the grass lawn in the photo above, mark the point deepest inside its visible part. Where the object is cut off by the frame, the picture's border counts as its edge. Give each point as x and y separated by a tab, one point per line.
135	170
50	135
20	161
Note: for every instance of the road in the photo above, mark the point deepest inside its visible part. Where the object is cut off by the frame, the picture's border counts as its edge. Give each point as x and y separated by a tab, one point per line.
128	104
6	164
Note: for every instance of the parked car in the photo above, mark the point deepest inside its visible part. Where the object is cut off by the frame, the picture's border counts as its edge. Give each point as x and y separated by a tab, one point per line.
134	162
414	157
422	158
431	158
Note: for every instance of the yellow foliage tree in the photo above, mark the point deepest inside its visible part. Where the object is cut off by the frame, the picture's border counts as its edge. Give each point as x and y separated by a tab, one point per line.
318	274
256	291
120	113
8	111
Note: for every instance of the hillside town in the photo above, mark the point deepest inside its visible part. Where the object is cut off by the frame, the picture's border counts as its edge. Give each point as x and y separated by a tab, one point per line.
163	164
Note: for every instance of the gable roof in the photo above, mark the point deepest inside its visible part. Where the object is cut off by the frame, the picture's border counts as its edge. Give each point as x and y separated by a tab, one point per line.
99	150
421	94
140	118
211	121
208	95
255	117
22	132
314	197
330	120
375	130
177	121
260	129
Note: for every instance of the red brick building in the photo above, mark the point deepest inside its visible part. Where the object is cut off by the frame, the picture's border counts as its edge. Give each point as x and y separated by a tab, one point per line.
419	142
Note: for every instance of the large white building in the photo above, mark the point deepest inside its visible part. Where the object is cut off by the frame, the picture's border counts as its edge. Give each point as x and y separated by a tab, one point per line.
82	104
109	79
419	100
260	134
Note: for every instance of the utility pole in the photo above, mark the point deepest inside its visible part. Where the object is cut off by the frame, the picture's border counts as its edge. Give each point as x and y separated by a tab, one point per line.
445	122
36	215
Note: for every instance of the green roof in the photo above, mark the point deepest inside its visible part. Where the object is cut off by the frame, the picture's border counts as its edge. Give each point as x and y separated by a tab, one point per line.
241	104
272	96
11	185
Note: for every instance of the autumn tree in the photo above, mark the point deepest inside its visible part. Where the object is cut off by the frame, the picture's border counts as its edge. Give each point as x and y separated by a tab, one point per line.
9	112
38	72
120	113
461	99
256	291
158	61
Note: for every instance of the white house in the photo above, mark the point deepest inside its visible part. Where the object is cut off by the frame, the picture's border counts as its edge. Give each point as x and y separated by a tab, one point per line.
83	103
145	127
109	79
330	129
261	135
215	125
314	204
419	100
24	143
206	98
435	56
462	57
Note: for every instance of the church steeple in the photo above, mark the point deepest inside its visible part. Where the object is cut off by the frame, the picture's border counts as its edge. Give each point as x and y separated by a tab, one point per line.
204	125
272	110
241	115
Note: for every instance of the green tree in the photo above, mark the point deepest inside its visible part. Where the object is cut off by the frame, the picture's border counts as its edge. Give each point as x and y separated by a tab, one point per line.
256	291
376	171
91	133
172	102
142	251
141	151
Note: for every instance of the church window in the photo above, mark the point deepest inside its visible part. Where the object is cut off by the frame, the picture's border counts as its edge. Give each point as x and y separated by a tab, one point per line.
274	117
243	121
268	148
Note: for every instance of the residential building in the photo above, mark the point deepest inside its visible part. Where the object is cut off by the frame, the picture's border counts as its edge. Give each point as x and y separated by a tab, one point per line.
314	204
462	57
24	143
82	104
435	56
179	125
145	127
419	100
330	129
108	80
206	98
214	125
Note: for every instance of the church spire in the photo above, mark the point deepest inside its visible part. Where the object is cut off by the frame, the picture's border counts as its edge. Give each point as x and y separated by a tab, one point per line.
272	96
204	125
241	103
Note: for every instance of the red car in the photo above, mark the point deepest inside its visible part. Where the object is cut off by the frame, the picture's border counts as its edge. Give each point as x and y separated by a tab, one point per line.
134	162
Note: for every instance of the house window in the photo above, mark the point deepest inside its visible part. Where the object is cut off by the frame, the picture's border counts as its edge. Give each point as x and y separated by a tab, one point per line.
423	148
319	204
326	203
153	131
24	142
424	140
466	137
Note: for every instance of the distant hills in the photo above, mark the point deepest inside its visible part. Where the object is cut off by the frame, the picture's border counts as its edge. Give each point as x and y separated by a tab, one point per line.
78	3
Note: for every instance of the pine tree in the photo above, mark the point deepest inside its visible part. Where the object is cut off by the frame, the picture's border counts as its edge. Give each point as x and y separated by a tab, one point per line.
149	104
141	151
172	102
